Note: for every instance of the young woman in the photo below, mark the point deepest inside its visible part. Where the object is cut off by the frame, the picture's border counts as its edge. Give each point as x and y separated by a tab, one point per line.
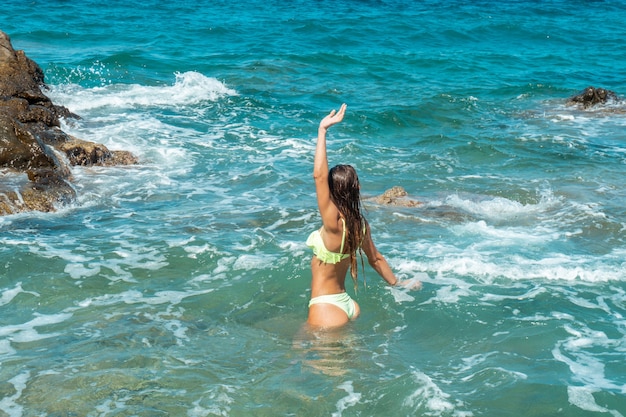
343	233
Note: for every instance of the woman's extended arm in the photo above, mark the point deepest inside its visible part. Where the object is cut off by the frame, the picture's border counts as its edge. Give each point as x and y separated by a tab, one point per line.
380	265
328	211
378	261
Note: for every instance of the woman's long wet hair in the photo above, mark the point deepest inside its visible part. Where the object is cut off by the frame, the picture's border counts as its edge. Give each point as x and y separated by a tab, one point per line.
345	193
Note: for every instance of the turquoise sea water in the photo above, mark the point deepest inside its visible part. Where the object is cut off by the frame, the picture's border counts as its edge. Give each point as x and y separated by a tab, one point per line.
179	286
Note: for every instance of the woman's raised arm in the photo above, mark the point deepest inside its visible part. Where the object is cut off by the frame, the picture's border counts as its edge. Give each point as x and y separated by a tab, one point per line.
327	209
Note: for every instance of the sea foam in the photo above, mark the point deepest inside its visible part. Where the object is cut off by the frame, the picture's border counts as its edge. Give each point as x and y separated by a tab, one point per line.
189	88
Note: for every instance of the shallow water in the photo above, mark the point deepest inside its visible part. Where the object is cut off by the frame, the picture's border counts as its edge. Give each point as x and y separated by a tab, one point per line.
179	286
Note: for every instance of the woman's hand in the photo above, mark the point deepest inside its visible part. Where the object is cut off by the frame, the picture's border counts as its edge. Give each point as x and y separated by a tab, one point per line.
333	118
409	284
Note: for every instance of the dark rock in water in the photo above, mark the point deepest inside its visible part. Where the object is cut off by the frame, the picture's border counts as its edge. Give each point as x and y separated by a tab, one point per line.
85	153
35	154
592	96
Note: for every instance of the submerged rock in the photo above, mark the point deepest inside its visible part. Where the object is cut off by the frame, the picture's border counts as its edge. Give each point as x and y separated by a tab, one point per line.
35	154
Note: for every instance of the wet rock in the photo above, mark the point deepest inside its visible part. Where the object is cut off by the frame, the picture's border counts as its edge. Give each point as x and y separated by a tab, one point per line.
592	96
35	154
84	153
396	196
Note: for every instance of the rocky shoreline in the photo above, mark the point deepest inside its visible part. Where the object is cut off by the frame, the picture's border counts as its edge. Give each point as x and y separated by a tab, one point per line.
35	154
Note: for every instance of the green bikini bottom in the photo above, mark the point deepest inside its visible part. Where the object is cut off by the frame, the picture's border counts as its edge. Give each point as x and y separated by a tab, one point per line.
341	300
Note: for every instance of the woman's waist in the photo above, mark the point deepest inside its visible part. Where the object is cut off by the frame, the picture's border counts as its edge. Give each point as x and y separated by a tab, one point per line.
327	288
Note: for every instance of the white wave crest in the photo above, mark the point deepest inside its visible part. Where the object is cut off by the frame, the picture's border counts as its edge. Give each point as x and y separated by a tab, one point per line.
189	88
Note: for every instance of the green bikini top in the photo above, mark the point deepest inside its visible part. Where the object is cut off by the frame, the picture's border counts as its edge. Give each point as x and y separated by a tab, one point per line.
316	243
